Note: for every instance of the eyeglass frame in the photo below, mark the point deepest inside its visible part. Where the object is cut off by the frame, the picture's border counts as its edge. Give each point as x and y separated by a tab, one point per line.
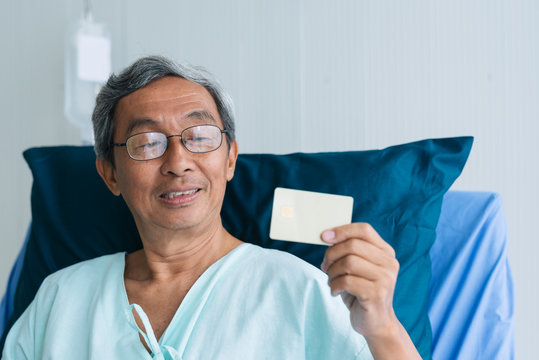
222	131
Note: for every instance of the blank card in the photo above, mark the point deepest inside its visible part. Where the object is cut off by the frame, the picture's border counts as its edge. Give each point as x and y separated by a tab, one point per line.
301	216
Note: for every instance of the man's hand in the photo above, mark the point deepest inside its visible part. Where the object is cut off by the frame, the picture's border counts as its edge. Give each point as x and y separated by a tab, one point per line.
363	269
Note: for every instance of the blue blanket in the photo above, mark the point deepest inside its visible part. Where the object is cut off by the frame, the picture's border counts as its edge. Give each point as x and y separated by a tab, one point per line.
471	290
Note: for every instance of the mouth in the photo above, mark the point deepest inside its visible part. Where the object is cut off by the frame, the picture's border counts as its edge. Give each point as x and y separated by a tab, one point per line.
183	197
175	194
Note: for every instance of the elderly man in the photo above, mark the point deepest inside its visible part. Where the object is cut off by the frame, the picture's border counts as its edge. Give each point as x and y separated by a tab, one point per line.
194	291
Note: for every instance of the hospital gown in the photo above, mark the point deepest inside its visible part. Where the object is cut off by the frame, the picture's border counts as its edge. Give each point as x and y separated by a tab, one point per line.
253	303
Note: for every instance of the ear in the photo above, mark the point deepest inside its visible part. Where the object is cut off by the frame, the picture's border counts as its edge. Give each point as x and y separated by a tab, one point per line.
232	157
108	174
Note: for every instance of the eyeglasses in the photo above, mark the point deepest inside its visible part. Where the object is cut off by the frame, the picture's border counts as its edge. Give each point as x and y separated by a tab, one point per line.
151	145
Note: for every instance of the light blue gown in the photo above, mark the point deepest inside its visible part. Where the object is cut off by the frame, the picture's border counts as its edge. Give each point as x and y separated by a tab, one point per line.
253	303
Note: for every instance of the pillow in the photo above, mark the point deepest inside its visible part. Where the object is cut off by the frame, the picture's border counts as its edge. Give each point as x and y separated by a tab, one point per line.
398	190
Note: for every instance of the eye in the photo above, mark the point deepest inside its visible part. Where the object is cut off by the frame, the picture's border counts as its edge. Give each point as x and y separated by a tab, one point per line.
149	145
142	145
199	138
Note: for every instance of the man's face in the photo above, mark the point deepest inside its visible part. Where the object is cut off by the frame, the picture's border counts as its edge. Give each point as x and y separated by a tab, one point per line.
180	190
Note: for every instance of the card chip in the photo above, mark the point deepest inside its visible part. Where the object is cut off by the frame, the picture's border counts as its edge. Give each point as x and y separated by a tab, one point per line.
287	211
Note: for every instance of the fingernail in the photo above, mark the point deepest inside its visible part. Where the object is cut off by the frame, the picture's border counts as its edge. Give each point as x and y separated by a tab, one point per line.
324	266
328	235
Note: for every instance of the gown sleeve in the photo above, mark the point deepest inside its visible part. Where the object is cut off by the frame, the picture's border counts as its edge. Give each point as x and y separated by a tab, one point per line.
26	337
328	331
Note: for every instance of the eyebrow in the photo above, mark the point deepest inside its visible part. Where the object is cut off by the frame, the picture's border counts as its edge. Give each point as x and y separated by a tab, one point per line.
138	123
203	115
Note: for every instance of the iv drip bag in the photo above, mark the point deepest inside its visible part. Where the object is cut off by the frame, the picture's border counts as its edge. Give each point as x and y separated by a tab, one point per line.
87	68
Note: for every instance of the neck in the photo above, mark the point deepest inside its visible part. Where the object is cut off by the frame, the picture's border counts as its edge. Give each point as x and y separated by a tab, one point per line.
167	256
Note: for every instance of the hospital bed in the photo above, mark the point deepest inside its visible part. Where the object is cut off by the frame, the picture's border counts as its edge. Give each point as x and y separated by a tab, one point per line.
454	293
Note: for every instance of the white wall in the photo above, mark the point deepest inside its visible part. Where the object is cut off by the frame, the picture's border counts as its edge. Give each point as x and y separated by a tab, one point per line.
31	105
312	76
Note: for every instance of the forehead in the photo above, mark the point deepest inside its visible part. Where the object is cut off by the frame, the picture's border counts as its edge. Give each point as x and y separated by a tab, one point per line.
167	99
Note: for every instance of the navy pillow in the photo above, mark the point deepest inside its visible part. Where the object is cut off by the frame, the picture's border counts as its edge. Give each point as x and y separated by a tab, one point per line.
398	190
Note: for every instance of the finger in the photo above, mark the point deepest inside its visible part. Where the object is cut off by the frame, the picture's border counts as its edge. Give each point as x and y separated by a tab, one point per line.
383	276
366	291
362	231
354	265
353	285
348	299
356	247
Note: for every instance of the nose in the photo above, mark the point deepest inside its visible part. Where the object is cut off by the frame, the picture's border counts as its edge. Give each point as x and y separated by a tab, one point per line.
176	160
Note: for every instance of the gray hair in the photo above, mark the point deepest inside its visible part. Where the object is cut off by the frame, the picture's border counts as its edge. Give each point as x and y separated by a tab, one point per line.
138	75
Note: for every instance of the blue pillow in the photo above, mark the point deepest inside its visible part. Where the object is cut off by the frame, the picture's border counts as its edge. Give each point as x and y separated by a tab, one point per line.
398	190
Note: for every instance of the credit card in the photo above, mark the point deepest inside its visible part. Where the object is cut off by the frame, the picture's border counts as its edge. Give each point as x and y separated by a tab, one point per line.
301	216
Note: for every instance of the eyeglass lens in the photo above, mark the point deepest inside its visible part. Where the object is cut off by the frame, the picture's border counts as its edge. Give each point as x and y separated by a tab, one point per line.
196	139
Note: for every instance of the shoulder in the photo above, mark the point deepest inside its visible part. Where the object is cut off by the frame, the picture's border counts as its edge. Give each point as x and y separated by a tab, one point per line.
63	304
279	260
275	269
82	276
77	283
93	267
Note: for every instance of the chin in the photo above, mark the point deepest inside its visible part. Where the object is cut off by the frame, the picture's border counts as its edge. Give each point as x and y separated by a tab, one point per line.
183	222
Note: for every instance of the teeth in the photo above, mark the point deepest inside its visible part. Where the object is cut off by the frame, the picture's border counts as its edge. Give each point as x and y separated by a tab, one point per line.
172	195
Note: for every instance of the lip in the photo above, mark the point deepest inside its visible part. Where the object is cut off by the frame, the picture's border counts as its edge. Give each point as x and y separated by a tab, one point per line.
180	196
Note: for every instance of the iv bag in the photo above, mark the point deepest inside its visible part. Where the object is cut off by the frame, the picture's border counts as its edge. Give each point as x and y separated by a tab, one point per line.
87	68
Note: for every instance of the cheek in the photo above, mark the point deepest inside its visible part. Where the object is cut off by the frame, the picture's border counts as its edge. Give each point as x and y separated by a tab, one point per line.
217	172
133	179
